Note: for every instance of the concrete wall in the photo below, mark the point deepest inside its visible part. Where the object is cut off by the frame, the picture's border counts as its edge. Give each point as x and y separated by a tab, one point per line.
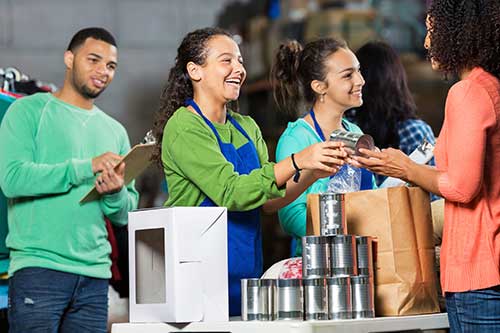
35	33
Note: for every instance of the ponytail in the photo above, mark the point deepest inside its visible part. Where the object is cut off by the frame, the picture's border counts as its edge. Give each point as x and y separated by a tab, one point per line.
296	67
285	78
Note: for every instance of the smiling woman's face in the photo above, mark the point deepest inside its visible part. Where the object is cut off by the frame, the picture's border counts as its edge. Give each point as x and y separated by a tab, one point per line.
344	80
222	74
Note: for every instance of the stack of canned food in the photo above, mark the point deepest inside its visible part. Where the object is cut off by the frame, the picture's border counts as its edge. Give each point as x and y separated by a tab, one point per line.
337	276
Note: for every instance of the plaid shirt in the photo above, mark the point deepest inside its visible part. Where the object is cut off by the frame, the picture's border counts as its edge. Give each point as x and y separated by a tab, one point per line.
411	134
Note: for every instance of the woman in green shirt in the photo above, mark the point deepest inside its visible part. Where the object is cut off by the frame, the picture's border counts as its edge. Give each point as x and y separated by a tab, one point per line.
213	156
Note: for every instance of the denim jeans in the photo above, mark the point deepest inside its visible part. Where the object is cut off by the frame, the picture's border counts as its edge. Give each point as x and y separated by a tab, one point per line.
44	300
474	311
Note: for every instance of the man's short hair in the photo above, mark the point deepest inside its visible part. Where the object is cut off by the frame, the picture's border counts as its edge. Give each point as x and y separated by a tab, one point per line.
96	33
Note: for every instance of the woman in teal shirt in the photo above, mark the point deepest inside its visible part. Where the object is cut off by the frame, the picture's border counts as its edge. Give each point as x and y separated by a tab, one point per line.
327	75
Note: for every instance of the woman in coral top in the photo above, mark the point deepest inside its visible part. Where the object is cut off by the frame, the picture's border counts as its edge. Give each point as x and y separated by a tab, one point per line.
463	39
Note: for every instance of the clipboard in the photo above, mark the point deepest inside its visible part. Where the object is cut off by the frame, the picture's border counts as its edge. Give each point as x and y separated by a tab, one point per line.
136	161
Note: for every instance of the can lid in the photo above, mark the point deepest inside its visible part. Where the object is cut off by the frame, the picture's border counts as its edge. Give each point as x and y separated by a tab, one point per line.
363	239
331	196
342	239
360	279
267	282
251	282
289	282
313	281
366	142
315	239
338	280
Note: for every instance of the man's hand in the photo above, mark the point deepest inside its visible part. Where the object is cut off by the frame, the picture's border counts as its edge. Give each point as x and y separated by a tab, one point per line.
111	180
99	163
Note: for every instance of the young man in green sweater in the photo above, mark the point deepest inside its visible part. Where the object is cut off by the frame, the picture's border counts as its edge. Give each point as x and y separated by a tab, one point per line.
52	147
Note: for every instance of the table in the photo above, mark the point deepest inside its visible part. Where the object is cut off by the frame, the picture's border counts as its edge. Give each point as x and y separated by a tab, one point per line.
381	324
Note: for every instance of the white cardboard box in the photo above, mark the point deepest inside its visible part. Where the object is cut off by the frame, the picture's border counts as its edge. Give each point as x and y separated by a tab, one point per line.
178	265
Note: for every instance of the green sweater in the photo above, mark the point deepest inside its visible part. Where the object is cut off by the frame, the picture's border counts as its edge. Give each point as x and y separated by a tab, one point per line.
298	136
46	155
5	102
195	167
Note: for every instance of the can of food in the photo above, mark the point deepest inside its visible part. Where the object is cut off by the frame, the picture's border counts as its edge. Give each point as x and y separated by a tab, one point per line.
364	248
315	299
290	299
353	141
267	299
332	214
250	299
339	297
343	255
315	252
362	297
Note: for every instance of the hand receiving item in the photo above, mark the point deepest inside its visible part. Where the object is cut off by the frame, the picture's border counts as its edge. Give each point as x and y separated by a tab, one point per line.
388	162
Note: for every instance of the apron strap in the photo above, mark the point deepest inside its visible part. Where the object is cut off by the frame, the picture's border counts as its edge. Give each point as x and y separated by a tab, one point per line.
318	128
195	106
242	131
316	125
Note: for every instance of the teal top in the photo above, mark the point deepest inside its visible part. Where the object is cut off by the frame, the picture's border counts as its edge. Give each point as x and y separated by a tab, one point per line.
45	169
195	167
297	136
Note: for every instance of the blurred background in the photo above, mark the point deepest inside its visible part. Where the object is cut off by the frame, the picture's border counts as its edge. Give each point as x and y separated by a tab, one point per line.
35	33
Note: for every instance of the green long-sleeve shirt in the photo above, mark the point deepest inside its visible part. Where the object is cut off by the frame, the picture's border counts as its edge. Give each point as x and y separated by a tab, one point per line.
195	167
46	151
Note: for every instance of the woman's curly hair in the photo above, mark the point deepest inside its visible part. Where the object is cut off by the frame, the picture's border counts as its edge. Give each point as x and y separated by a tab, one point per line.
179	88
465	34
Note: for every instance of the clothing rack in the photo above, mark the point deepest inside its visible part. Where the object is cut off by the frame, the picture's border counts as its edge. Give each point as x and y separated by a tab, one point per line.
13	81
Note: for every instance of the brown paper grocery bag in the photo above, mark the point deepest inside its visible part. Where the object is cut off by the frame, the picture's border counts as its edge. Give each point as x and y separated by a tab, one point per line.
400	217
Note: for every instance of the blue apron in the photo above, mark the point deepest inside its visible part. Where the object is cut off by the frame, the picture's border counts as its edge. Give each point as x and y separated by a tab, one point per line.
243	229
366	176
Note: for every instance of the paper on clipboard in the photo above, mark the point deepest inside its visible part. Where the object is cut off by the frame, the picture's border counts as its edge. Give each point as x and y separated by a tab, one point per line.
136	161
